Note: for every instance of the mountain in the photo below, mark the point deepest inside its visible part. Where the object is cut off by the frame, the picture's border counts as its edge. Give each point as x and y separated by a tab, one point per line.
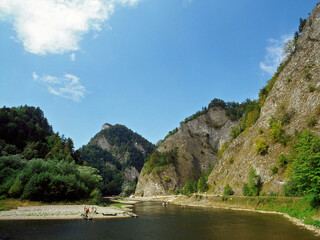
190	151
263	151
292	105
119	154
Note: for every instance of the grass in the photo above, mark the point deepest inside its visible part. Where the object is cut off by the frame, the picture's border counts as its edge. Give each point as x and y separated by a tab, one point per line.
9	203
119	205
297	207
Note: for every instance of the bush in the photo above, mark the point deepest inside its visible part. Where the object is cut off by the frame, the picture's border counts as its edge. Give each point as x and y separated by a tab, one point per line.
314	201
161	159
223	148
305	165
261	146
311	88
274	170
228	190
224	198
127	189
252	188
312	121
283	160
307	74
202	185
167	179
95	195
277	133
16	189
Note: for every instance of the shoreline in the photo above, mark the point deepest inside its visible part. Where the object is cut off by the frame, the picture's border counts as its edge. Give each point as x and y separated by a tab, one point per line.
63	212
185	201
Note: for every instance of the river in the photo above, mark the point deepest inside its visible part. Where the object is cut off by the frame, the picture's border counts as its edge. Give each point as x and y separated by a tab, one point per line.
158	222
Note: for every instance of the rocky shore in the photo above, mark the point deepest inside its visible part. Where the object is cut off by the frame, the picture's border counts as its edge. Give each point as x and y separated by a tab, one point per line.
56	212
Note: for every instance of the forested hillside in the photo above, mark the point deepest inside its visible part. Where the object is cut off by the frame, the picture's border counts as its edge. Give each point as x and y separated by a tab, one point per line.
119	154
38	164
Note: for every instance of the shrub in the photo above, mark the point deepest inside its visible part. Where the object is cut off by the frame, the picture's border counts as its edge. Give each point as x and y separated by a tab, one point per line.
223	148
230	160
252	188
286	118
277	133
127	189
95	195
228	190
16	189
274	170
161	159
167	179
224	198
252	117
283	160
314	200
307	74
312	121
261	146
305	165
311	88
202	185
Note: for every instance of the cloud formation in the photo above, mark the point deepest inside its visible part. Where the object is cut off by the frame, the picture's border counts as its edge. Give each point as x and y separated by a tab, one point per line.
56	26
274	55
68	86
72	57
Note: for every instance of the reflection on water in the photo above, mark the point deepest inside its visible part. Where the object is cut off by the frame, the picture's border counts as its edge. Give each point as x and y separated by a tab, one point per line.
158	222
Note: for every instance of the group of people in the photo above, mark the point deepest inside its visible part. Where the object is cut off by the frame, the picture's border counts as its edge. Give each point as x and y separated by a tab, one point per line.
87	210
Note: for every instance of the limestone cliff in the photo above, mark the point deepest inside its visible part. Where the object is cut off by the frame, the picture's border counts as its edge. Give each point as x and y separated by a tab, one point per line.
197	143
295	95
292	99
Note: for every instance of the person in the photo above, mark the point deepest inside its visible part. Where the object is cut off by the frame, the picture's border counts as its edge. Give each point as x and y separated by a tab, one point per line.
95	210
92	209
86	211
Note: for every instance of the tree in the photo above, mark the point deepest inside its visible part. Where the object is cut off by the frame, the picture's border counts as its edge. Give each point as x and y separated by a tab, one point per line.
254	186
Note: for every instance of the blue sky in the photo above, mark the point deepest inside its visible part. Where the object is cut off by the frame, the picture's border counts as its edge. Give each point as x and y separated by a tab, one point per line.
146	64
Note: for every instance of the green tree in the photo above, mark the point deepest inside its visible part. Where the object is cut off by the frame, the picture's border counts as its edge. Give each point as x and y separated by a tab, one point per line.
252	188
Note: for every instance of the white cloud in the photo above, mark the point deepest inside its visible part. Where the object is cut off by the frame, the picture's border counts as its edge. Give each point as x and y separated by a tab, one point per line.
186	2
274	55
72	57
56	26
68	86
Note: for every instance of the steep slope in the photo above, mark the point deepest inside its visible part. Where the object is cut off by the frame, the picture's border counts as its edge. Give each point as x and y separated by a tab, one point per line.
293	103
187	153
118	153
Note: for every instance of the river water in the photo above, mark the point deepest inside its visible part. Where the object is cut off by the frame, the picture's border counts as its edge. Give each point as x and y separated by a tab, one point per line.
158	222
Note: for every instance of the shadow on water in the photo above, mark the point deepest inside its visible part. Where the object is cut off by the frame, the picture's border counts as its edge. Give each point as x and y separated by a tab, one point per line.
158	222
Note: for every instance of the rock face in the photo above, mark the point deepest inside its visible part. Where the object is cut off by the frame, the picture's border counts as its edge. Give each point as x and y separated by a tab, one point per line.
296	92
293	99
197	143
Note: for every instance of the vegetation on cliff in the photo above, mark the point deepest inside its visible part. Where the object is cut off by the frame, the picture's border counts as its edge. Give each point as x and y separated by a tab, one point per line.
160	160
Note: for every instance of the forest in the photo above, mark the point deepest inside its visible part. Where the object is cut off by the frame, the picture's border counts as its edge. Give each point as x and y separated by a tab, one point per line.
38	164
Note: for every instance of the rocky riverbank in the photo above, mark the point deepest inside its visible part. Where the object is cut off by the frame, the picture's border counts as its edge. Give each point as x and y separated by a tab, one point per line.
47	212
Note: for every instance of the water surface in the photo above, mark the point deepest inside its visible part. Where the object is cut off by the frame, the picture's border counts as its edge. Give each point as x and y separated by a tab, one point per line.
158	222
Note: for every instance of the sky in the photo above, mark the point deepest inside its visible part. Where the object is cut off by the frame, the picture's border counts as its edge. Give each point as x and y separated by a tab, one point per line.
146	64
